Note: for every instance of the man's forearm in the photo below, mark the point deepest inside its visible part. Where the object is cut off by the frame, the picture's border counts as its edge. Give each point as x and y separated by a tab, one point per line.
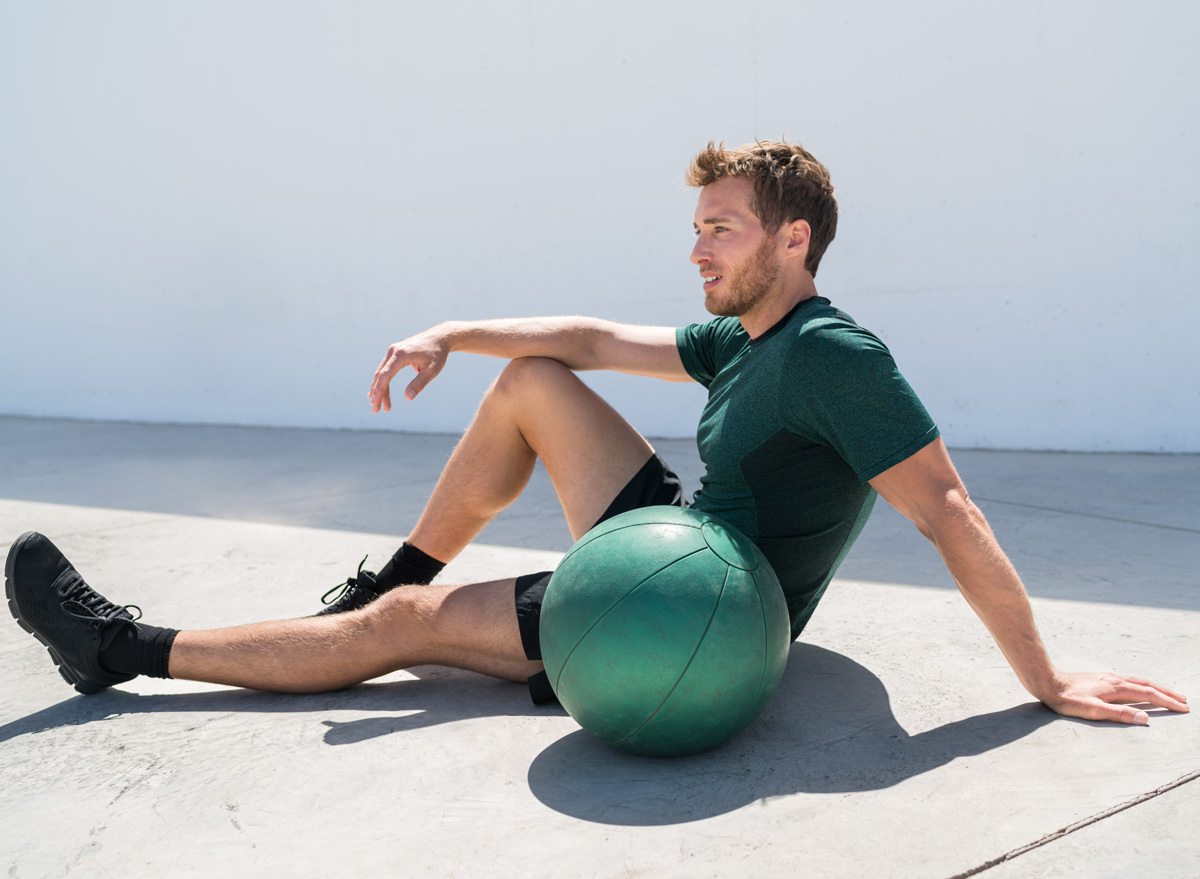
579	343
990	584
573	341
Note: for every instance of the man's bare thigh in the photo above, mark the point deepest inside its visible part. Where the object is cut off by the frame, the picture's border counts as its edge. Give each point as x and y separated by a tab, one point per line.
589	451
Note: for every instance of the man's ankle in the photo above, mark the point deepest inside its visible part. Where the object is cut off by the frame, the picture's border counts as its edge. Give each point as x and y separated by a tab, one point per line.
409	565
139	649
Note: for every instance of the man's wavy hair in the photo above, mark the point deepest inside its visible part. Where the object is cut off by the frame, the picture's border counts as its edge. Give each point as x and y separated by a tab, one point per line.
789	185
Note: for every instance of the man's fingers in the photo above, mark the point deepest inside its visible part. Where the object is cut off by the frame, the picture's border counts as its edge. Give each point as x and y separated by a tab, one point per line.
1178	697
380	393
427	371
1119	713
1139	691
1096	708
1119	688
424	376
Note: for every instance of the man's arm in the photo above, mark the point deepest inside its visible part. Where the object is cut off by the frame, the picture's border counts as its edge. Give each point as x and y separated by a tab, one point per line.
579	343
927	489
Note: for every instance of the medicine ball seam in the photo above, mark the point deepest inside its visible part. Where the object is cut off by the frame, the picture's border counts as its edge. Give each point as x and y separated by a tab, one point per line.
713	524
751	713
567	659
691	659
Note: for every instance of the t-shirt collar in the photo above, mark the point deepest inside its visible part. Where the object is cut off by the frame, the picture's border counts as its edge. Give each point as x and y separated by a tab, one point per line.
782	322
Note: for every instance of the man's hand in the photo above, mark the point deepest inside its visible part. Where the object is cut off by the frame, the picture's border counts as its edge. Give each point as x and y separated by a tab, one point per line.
1096	696
425	352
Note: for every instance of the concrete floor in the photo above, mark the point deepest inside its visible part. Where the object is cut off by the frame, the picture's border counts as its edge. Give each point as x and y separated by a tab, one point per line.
899	743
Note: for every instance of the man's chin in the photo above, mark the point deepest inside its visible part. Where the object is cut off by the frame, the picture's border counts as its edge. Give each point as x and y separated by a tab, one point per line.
719	307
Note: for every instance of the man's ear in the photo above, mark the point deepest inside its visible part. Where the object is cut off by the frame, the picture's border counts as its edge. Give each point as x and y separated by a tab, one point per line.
799	234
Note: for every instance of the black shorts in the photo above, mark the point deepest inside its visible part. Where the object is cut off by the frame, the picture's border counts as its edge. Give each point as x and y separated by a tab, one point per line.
654	485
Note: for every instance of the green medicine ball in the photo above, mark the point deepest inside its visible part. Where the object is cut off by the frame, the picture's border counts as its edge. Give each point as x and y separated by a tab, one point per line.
664	631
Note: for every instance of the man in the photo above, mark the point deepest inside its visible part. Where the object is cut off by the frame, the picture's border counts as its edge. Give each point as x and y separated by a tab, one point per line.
807	419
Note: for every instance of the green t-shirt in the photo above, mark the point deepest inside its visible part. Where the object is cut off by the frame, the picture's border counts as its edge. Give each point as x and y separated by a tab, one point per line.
797	421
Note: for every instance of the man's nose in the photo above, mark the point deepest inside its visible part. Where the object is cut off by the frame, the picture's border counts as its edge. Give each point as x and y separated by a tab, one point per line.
700	253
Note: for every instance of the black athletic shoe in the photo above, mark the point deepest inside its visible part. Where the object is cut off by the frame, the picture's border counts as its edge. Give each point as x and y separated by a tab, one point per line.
358	591
49	599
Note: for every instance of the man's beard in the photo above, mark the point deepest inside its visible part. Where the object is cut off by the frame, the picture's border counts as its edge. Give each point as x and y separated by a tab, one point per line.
749	285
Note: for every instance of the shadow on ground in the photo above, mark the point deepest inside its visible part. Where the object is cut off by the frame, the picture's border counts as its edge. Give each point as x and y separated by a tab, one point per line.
829	729
438	695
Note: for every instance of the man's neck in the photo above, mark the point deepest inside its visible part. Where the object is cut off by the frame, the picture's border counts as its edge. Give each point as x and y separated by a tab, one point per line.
775	307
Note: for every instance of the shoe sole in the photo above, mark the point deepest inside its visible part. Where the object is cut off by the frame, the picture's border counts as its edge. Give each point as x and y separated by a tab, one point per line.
64	669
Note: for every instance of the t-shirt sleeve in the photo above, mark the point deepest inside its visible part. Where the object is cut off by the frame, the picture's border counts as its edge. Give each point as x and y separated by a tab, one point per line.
703	347
848	393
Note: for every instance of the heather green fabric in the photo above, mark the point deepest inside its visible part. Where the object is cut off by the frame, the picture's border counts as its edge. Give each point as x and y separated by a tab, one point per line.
797	421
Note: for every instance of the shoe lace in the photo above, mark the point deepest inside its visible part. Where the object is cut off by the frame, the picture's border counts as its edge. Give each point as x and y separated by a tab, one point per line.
337	592
83	602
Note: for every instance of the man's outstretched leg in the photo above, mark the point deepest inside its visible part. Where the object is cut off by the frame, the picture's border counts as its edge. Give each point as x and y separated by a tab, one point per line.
472	627
97	644
537	408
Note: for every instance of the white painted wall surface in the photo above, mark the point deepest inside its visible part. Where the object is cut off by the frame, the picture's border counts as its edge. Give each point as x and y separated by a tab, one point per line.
224	212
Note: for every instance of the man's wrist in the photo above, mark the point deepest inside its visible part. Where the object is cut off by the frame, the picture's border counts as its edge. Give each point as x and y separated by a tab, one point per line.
1046	686
450	334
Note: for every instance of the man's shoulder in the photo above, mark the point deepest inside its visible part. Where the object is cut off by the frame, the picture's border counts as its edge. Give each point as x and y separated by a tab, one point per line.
821	329
706	347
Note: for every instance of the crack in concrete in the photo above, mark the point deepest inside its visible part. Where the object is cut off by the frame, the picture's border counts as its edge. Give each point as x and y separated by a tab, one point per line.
1078	825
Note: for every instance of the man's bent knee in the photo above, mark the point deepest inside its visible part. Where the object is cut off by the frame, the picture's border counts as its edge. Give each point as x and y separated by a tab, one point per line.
530	375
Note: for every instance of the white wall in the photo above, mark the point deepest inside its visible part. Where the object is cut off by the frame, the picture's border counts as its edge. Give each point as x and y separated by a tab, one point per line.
225	211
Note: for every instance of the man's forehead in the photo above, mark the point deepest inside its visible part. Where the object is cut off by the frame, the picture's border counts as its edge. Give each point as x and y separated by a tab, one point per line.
724	200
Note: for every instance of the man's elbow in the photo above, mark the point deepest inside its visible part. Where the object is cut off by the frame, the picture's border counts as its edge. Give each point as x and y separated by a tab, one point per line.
953	511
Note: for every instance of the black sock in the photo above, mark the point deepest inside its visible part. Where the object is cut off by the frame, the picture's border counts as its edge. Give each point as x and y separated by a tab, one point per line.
408	566
139	649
